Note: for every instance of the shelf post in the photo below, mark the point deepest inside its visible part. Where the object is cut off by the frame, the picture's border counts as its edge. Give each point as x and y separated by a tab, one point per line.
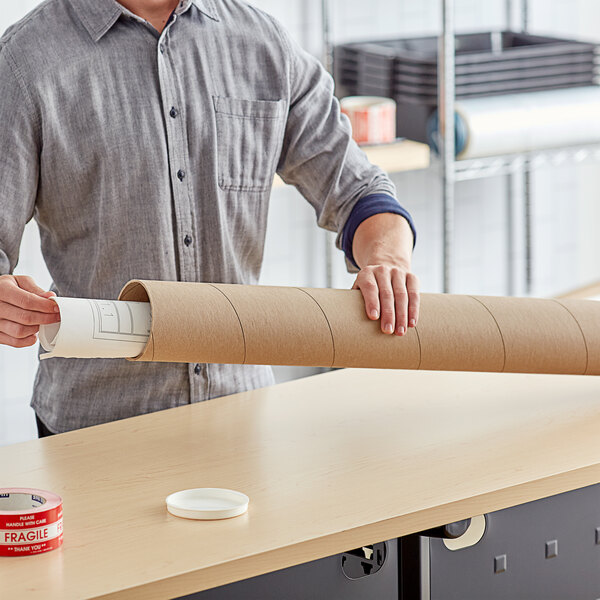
327	59
508	12
527	191
446	90
509	180
327	46
528	225
524	15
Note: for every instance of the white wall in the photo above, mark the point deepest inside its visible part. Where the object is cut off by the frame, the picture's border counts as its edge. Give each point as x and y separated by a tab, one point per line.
566	212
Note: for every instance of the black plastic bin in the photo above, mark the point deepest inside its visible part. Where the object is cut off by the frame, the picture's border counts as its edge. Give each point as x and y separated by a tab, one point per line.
486	64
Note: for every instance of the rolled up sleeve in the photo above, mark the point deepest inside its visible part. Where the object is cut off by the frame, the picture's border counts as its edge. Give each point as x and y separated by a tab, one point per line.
319	156
19	165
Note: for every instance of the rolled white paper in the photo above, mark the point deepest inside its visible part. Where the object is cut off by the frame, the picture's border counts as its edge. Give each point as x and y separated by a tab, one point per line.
97	329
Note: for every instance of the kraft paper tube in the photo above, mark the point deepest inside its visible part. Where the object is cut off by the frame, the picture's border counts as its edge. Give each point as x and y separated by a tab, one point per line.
221	323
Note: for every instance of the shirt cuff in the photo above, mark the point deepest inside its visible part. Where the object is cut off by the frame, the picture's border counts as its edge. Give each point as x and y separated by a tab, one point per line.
373	204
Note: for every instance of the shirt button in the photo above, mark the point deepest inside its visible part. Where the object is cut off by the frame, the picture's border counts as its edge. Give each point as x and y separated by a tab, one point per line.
162	48
180	174
197	369
173	112
187	240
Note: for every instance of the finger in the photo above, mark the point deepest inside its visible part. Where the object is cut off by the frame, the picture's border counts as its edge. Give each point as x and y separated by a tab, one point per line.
28	284
9	312
18	330
414	299
367	284
7	340
11	293
400	300
386	300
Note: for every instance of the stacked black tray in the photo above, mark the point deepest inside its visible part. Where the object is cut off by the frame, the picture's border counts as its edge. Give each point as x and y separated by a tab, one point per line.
486	64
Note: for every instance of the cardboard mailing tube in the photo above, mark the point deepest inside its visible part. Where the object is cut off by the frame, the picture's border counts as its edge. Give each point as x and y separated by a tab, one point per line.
224	323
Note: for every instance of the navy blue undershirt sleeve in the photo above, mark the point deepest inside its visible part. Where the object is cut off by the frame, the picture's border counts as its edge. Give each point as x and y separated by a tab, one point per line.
373	204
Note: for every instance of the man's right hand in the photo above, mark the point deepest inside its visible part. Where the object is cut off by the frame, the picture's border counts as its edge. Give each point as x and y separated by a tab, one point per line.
24	306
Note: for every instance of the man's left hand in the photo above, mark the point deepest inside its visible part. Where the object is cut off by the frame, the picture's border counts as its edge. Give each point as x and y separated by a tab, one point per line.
391	292
382	246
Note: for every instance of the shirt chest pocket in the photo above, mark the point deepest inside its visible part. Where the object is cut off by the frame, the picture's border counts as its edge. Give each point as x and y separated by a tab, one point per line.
249	138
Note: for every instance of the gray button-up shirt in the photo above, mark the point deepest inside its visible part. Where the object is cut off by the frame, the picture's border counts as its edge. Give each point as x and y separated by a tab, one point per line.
147	155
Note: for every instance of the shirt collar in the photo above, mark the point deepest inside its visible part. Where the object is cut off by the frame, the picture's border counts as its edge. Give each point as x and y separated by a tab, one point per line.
207	7
98	16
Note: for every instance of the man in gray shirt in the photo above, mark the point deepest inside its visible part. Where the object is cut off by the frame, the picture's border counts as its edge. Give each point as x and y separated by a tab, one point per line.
143	137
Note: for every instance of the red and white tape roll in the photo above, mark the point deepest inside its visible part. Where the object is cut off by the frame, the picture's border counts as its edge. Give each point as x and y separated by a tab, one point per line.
31	521
373	119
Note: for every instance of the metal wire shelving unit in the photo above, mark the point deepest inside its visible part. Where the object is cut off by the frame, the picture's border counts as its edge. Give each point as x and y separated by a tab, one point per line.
452	171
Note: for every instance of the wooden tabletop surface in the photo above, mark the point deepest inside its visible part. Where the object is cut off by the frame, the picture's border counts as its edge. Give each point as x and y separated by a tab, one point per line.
330	463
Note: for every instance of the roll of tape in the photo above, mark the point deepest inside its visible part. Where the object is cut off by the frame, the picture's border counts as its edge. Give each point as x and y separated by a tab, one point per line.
373	119
31	521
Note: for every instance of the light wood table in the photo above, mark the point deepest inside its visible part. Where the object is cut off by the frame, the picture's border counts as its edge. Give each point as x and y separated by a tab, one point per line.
330	463
403	155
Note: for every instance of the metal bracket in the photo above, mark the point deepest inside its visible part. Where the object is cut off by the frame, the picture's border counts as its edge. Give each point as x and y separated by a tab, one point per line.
364	561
